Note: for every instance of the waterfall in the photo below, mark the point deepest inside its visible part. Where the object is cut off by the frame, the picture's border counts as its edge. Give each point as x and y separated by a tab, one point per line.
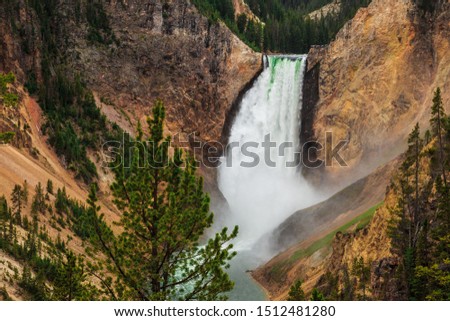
263	196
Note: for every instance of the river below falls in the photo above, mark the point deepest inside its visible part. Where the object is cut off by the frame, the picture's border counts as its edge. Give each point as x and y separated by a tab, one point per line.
245	288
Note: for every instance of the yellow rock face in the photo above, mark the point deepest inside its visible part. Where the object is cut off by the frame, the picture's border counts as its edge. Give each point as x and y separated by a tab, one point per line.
377	80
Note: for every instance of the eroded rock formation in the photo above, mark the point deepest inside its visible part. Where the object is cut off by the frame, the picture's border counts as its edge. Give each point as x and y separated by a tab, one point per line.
376	81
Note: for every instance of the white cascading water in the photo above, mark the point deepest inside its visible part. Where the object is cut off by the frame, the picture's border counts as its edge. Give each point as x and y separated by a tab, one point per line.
262	197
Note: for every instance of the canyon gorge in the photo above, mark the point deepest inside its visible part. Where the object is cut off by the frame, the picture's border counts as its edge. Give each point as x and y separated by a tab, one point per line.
368	87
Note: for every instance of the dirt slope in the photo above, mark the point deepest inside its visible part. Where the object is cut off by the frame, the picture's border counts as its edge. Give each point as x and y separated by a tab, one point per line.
34	164
309	225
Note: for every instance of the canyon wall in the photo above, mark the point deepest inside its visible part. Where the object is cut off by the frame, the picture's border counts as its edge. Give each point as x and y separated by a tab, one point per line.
135	53
375	81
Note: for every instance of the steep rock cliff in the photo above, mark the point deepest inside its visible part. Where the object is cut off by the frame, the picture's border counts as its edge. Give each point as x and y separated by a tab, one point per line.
376	81
159	49
131	53
167	50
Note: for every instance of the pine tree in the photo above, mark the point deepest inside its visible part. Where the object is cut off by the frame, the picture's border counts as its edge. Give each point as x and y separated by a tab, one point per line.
329	285
361	271
158	255
427	137
316	295
415	146
17	199
69	282
7	98
296	292
61	201
424	239
348	290
50	186
438	124
38	205
241	22
25	192
441	232
4	217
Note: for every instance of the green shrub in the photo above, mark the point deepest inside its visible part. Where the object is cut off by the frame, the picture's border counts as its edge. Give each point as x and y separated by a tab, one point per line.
7	137
8	98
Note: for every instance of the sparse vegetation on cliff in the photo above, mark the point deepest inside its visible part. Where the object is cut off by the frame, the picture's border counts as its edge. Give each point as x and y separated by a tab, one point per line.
157	256
421	220
8	98
418	228
6	137
74	122
46	260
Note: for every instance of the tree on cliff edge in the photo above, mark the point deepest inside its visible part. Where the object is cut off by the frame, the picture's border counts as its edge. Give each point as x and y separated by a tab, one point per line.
157	255
438	122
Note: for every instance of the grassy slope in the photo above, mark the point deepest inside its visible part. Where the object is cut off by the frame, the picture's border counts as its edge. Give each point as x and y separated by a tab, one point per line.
357	223
323	244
